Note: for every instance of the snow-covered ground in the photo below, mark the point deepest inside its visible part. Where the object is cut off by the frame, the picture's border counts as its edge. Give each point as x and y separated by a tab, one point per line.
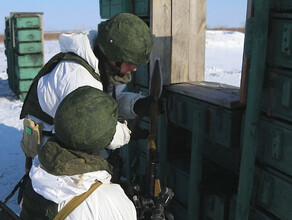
223	64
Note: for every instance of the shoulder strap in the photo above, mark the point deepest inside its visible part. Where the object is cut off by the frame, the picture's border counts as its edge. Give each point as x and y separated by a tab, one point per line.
31	105
76	201
51	64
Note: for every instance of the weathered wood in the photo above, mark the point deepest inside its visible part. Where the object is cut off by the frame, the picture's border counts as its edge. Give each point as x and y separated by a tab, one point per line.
188	41
160	24
196	167
246	56
254	95
179	28
180	41
197	40
216	93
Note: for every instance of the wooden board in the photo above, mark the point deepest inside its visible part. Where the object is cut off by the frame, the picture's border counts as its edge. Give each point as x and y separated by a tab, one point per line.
180	41
197	40
179	28
216	93
246	54
160	24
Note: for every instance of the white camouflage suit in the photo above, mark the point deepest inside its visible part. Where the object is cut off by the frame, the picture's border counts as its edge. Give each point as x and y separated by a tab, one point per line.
109	200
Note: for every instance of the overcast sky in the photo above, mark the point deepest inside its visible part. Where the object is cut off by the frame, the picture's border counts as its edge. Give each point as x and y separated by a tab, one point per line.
67	15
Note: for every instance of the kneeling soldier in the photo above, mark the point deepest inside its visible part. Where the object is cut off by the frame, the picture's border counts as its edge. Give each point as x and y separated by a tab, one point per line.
66	174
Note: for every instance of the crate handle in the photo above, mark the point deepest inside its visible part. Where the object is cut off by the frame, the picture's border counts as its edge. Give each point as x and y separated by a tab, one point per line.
30	36
30	49
28	23
276	144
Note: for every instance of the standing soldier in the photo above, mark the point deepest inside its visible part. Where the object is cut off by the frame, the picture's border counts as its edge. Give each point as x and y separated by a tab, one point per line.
102	60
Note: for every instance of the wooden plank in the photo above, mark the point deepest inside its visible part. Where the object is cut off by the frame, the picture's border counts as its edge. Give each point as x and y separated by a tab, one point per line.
179	28
180	41
197	37
160	24
254	95
246	55
216	93
196	166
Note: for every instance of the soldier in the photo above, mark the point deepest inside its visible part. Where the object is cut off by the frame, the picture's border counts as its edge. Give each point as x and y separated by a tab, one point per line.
103	60
68	165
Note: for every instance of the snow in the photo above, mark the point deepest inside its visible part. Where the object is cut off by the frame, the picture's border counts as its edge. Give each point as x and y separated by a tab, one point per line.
223	60
223	63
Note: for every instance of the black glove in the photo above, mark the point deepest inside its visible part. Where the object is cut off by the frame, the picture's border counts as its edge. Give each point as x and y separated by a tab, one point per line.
142	106
136	131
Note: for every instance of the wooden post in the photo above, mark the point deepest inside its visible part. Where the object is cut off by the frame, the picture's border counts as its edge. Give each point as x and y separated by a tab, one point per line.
179	28
254	95
160	24
246	54
196	167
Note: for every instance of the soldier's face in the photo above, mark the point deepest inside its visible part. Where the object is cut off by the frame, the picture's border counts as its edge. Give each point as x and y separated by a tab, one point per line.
127	68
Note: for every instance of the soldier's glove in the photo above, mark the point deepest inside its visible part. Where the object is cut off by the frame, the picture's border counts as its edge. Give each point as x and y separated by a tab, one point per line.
142	106
136	131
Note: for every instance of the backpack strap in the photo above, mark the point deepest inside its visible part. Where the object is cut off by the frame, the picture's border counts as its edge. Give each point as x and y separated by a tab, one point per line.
31	103
76	201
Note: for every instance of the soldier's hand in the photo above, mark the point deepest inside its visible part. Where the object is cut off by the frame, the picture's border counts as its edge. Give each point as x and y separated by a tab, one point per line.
136	131
142	106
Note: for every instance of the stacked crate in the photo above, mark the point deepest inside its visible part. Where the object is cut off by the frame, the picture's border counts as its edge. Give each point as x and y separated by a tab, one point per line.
203	149
136	151
109	8
273	186
219	126
24	50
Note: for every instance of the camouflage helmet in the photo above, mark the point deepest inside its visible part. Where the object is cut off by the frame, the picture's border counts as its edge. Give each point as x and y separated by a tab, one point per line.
125	38
86	120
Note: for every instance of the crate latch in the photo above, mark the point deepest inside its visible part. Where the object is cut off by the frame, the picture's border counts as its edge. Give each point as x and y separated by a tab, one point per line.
286	40
276	144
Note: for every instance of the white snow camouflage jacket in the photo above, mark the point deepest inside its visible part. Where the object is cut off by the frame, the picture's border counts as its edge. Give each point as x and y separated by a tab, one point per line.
68	76
107	202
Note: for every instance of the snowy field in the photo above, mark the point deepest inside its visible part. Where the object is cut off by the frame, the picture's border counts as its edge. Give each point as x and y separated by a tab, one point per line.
223	64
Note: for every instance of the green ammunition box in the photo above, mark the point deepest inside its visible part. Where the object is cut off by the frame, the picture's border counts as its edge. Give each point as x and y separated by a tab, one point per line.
29	60
109	8
280	54
23	49
22	96
141	8
222	122
27	22
275	144
30	47
23	85
278	94
274	193
28	35
27	73
226	157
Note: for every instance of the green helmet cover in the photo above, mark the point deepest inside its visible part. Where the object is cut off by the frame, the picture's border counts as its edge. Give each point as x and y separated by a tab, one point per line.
86	120
125	38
